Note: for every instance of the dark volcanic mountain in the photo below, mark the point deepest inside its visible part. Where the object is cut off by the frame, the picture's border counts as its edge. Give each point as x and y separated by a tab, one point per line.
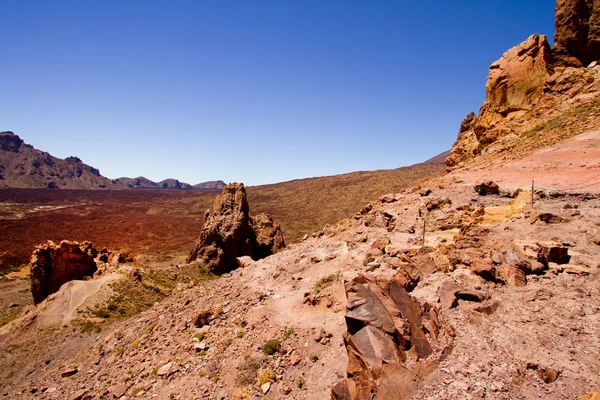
139	182
23	166
144	183
211	185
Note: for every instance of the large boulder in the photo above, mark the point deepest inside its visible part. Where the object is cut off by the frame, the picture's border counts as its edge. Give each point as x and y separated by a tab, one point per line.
577	32
229	232
53	265
387	330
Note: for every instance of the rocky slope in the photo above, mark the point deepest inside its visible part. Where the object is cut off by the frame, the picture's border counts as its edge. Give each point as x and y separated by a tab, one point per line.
512	321
456	288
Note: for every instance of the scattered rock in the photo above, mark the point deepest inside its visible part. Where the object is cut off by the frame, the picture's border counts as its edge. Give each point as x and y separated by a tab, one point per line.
553	253
118	391
511	276
167	369
68	372
265	387
548	218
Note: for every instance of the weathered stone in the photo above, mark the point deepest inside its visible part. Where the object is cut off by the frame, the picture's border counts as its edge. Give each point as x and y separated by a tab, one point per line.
548	218
229	232
54	265
511	276
552	253
515	82
437	203
577	32
407	277
472	295
118	391
68	372
447	294
167	369
484	268
344	390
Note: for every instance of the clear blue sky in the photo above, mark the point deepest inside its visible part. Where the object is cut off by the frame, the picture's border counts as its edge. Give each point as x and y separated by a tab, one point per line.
252	91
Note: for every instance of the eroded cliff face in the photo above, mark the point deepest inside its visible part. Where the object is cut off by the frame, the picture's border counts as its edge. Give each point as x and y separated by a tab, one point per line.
577	36
533	84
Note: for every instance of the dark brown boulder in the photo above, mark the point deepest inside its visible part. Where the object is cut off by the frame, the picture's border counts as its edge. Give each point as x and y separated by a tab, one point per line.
485	188
387	330
53	265
229	232
577	32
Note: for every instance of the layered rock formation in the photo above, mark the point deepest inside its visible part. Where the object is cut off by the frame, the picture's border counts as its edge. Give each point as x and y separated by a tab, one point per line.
53	265
534	84
229	232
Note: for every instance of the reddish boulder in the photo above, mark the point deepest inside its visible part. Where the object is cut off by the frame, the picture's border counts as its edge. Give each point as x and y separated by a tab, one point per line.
53	265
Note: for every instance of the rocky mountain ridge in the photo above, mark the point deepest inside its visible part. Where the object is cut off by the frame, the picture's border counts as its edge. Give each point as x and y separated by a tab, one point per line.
23	166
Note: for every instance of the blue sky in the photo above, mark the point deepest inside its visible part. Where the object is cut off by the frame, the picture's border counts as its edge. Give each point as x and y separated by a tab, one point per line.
252	91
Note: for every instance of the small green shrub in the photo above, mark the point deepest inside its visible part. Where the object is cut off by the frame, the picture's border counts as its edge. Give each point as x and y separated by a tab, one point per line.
271	347
288	334
326	281
200	336
239	335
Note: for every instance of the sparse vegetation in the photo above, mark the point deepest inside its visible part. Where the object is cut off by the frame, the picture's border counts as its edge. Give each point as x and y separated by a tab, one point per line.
200	336
326	281
265	375
313	357
239	335
271	347
288	334
248	370
300	383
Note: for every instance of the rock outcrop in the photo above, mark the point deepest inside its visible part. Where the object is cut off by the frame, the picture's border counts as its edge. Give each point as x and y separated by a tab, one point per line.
229	232
577	32
268	238
386	327
533	83
53	265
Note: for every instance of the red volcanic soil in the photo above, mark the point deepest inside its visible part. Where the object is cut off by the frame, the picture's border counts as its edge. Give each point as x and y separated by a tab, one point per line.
140	221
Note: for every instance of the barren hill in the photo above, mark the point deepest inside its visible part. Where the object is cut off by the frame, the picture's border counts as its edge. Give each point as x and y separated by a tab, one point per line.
466	285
